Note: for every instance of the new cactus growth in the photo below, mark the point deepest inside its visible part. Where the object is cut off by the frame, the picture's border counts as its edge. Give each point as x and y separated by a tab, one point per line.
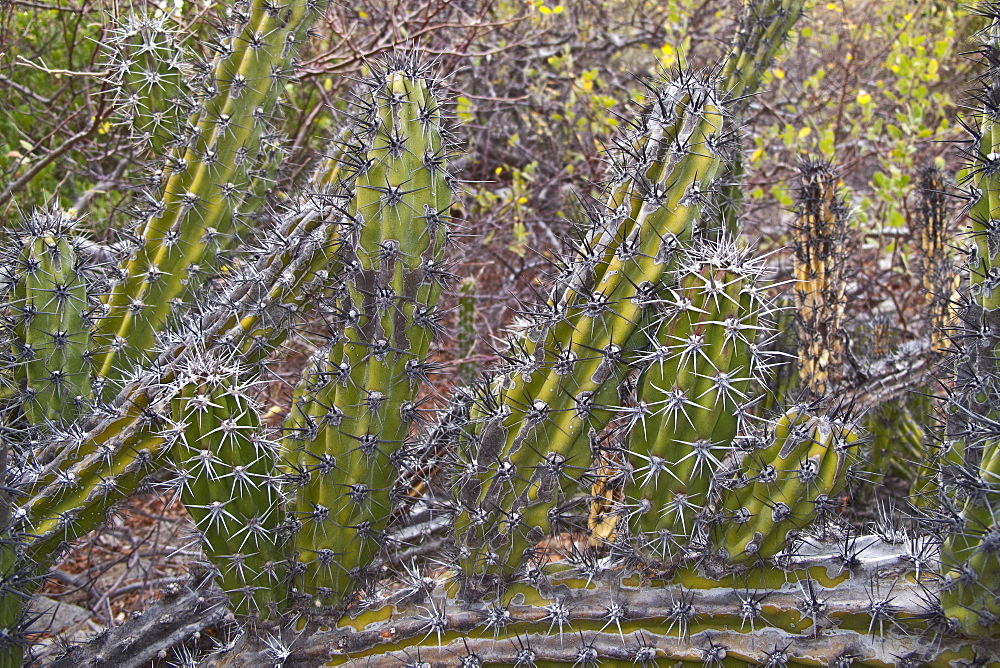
763	30
779	489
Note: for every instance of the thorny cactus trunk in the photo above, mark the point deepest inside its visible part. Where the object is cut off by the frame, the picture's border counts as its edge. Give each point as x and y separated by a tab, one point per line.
617	492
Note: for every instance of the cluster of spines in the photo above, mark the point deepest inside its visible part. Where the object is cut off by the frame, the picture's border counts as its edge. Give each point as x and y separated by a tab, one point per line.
820	278
698	382
782	483
533	425
355	416
151	72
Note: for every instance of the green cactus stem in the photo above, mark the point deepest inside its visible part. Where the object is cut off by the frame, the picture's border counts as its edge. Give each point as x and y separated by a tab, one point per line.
225	472
765	26
694	391
205	179
970	557
530	441
50	321
351	426
781	487
969	470
150	69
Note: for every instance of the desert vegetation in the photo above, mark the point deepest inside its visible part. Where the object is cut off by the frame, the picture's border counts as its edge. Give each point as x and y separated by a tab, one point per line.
499	333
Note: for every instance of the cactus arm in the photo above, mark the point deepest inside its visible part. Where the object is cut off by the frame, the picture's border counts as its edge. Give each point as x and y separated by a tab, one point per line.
174	239
540	420
225	468
763	29
694	390
372	369
50	327
782	486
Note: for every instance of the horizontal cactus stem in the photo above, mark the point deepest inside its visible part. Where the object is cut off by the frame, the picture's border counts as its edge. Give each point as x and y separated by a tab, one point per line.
670	617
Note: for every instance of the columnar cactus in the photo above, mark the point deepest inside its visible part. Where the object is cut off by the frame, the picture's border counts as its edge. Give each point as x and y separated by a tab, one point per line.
204	180
151	72
934	259
970	459
225	473
820	268
533	424
353	429
49	315
693	394
763	30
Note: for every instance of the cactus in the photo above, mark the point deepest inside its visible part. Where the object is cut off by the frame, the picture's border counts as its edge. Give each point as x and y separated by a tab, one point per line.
359	408
694	392
935	263
150	71
532	425
49	308
466	337
780	488
764	27
970	459
820	268
225	473
205	179
618	489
